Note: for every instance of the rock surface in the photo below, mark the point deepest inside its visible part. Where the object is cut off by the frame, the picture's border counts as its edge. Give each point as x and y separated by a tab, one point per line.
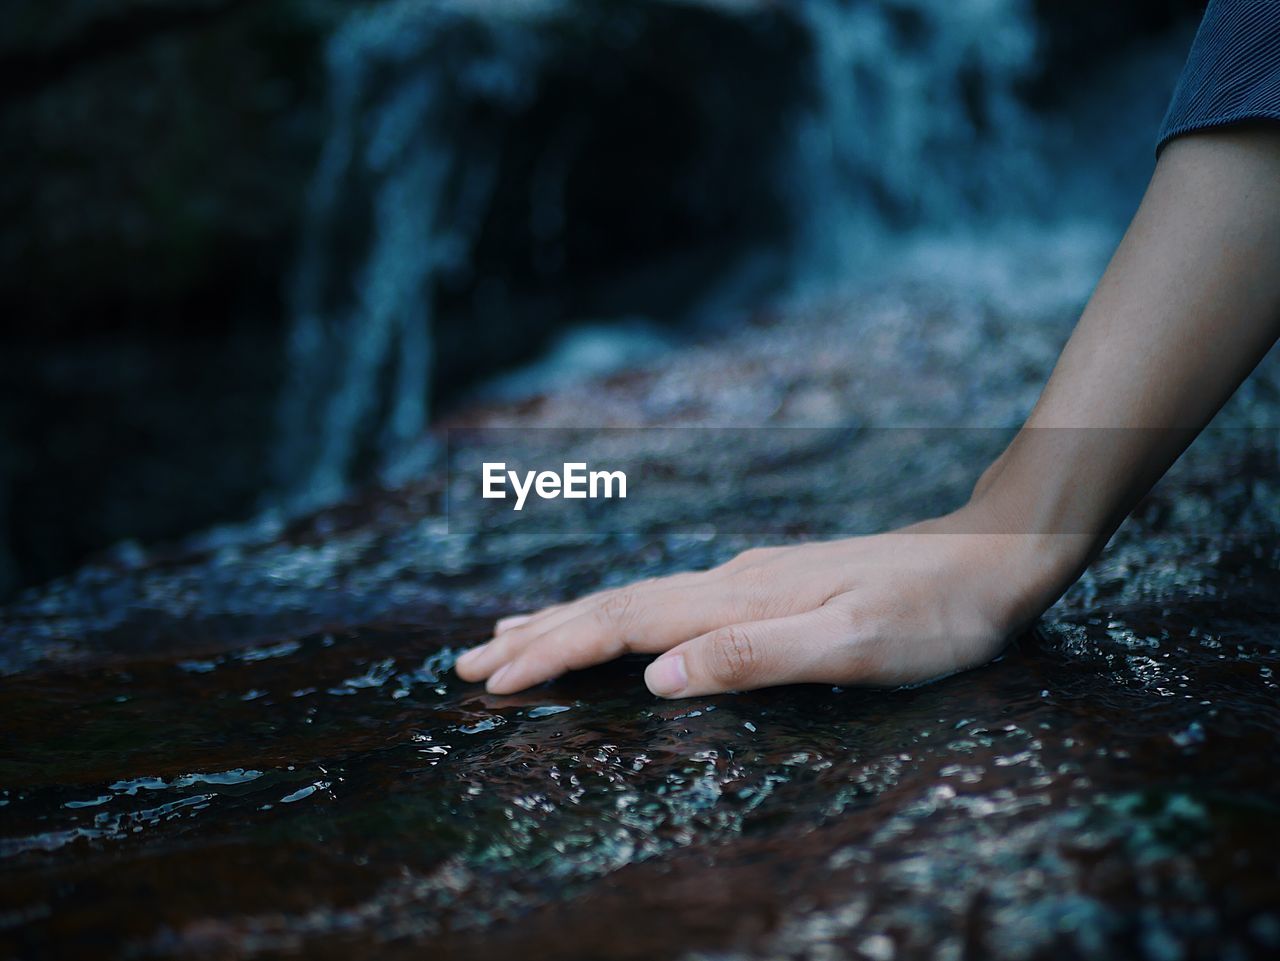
222	204
252	745
250	247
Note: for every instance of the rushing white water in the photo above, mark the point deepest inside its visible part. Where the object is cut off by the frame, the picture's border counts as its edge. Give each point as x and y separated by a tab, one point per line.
913	149
917	122
360	359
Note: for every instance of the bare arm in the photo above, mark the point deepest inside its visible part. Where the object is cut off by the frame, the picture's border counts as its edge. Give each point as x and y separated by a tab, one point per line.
1188	306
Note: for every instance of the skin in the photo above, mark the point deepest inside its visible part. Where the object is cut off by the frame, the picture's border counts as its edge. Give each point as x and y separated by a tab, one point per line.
1188	306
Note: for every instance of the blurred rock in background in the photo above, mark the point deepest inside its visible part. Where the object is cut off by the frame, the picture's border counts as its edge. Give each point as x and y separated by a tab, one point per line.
249	248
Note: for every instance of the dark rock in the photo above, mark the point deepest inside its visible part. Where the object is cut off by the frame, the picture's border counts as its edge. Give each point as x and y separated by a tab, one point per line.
151	260
258	736
341	217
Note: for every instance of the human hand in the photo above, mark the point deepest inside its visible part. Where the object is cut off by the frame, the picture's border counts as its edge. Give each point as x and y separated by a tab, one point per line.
1187	307
888	609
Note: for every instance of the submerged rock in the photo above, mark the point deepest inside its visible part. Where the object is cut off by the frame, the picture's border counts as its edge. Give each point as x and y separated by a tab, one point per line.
253	744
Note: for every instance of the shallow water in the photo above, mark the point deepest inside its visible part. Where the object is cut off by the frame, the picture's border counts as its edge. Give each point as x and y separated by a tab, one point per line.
1106	788
253	745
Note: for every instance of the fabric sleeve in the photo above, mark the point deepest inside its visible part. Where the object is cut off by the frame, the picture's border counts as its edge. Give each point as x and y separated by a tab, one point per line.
1233	71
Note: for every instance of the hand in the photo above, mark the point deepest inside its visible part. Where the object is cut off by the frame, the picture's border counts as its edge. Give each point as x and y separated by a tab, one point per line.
1188	306
911	605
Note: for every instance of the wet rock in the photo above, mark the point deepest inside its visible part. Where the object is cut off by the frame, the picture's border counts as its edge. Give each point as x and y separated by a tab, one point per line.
258	735
338	217
223	203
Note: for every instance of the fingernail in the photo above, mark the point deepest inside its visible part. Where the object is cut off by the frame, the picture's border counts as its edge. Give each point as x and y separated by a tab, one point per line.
666	676
496	679
472	654
515	620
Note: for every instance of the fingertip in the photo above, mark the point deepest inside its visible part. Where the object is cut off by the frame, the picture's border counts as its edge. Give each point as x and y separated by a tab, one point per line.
505	680
465	665
667	676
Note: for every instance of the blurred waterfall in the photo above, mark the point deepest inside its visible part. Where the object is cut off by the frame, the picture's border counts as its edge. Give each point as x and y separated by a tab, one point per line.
392	202
441	190
911	127
337	352
916	122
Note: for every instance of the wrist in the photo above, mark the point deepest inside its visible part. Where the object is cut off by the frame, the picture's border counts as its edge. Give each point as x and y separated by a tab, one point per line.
1025	570
1068	486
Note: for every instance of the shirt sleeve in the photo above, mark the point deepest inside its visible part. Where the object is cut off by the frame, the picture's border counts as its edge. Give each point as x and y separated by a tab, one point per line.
1233	71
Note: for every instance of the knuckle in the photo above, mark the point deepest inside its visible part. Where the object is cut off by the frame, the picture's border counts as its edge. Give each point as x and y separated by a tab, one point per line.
739	561
755	595
853	624
753	576
751	556
727	567
733	656
859	633
759	604
618	608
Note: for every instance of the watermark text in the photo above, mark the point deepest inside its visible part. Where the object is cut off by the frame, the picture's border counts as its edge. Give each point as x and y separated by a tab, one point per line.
574	482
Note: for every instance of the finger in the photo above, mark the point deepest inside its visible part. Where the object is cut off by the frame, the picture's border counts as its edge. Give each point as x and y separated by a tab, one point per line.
483	659
644	622
515	620
612	611
512	634
741	657
549	617
566	650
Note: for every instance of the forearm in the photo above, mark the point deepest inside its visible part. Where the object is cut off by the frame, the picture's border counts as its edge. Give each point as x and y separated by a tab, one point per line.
1188	306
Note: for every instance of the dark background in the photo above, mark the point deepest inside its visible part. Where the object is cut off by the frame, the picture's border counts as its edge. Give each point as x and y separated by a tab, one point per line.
162	176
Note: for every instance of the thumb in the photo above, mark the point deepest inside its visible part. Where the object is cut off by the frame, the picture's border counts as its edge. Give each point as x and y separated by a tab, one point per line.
742	657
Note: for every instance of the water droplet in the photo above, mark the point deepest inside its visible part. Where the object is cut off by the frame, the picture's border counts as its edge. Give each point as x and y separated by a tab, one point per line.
548	710
299	794
486	724
103	799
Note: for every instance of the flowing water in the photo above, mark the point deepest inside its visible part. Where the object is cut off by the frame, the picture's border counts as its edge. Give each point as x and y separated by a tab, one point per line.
903	135
1106	789
254	746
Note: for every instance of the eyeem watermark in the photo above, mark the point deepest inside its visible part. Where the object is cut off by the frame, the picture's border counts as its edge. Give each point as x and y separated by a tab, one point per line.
783	483
574	483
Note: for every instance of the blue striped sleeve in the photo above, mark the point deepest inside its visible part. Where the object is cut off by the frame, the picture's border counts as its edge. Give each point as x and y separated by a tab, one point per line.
1233	71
